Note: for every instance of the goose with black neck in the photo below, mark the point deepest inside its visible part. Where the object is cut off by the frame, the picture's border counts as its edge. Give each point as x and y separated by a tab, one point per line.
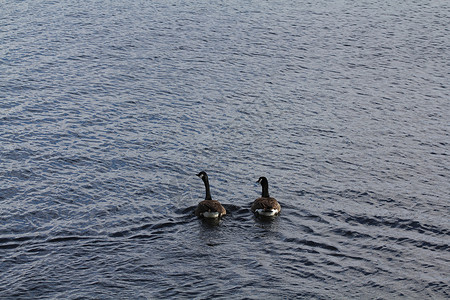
265	205
209	208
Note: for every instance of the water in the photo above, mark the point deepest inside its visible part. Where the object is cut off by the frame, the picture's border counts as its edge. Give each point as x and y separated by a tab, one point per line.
109	109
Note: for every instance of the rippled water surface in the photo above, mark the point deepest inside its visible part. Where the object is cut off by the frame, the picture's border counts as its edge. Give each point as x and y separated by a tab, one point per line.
108	109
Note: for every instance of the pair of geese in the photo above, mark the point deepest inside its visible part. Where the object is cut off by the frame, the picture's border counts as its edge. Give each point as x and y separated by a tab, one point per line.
265	206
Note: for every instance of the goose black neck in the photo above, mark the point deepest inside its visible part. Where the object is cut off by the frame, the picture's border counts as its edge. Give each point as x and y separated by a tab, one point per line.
265	188
208	193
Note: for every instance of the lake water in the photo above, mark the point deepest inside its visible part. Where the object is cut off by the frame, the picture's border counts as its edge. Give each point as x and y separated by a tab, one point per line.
108	109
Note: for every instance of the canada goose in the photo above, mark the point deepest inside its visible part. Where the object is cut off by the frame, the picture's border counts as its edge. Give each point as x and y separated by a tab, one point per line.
265	205
209	208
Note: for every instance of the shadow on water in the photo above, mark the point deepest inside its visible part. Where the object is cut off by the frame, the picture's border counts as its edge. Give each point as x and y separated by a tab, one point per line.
208	223
267	223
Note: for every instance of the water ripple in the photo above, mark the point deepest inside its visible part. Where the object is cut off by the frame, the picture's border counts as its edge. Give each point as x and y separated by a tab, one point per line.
108	110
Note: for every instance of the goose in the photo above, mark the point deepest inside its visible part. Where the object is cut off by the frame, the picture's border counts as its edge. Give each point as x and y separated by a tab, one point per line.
209	208
265	205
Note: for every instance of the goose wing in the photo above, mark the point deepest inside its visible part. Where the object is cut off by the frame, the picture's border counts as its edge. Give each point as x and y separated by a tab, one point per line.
266	204
210	206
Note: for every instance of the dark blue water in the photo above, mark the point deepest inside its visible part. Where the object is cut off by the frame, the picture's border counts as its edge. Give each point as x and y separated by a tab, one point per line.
108	109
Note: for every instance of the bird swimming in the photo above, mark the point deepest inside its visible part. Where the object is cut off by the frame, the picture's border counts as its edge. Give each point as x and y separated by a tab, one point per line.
265	205
209	208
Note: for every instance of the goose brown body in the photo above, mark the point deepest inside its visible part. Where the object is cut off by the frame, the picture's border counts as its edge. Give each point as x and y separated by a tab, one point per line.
265	205
209	208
